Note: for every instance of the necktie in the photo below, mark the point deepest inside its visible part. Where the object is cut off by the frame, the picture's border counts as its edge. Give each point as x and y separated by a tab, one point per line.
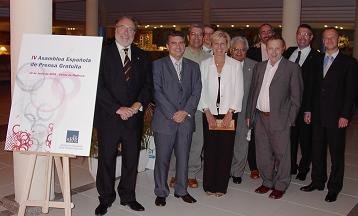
327	63
178	69
298	57
127	65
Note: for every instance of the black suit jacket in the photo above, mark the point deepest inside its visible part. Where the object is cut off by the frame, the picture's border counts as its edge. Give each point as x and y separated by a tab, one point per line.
255	53
114	92
309	68
333	95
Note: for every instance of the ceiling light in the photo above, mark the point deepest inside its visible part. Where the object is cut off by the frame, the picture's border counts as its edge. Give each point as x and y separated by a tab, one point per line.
325	26
247	26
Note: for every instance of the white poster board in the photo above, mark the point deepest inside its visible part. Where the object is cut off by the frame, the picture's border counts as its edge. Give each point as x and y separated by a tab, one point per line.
54	94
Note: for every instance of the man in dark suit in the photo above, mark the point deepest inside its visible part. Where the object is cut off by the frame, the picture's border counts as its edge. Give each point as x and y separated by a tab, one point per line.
273	103
177	89
332	108
258	52
238	50
301	132
125	87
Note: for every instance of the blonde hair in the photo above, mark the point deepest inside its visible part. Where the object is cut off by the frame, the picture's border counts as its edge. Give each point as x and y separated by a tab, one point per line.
217	35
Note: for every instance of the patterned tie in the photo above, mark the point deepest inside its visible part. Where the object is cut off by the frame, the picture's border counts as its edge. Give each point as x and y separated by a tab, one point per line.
178	69
298	57
327	63
127	65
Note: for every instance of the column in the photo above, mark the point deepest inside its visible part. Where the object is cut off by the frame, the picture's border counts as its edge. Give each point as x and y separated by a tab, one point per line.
30	16
92	17
206	12
355	45
291	13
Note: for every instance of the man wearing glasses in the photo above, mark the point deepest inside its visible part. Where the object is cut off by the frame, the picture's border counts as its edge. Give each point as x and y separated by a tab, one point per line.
195	53
125	87
301	133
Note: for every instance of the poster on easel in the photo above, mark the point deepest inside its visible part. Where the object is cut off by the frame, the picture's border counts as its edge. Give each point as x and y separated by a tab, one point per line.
54	94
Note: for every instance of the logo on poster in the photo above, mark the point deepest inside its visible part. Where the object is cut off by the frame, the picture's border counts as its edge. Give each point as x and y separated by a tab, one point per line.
72	136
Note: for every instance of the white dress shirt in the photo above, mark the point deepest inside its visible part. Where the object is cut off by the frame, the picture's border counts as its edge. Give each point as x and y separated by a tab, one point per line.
231	86
263	101
121	52
304	53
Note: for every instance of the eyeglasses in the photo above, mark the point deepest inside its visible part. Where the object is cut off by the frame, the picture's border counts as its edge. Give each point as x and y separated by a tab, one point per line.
304	34
126	28
193	34
237	50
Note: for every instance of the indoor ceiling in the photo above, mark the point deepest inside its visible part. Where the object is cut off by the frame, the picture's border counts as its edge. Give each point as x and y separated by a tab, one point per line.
70	13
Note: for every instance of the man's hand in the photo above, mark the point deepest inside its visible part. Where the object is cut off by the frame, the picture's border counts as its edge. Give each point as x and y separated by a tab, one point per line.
125	112
136	106
180	116
210	118
227	119
307	117
342	122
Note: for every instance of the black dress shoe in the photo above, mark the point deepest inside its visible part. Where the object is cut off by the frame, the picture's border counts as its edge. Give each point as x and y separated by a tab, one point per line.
101	209
186	198
331	197
236	180
301	176
160	201
311	187
134	205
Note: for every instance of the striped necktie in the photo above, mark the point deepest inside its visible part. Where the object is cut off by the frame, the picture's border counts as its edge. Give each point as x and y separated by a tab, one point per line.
298	57
127	65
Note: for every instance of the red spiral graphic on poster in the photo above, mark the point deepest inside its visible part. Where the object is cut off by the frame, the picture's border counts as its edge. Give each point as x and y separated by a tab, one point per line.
20	140
49	136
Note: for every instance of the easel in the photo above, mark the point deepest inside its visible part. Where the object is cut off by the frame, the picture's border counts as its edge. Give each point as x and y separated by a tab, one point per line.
63	172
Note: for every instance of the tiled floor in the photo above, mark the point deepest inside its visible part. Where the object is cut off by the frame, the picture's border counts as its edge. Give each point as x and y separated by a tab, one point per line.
241	200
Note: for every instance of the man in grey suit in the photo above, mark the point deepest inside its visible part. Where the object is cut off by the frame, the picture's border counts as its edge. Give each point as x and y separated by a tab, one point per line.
273	103
238	50
177	89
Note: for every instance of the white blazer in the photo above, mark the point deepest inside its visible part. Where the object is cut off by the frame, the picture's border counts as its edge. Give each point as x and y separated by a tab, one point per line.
231	86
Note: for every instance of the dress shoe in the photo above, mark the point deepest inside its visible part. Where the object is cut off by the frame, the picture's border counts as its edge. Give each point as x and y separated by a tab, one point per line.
236	180
262	189
186	198
331	197
276	194
255	174
134	205
311	187
209	193
101	209
160	201
192	183
219	194
301	176
172	182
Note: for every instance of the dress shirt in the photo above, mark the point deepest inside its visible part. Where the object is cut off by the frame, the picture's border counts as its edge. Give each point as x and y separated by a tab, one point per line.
207	50
121	52
263	101
304	53
231	86
326	56
263	52
180	61
198	57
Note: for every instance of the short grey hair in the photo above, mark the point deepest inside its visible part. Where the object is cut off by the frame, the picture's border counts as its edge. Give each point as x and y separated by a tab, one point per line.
237	39
195	25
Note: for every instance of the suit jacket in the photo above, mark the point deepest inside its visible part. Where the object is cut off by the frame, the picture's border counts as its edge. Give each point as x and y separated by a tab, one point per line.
333	95
285	93
114	92
309	68
255	53
172	95
248	69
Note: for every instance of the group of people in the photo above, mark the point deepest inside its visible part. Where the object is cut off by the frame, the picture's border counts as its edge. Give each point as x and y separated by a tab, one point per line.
223	104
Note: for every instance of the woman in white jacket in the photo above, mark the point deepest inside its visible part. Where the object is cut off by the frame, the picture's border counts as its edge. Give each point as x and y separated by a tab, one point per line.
221	100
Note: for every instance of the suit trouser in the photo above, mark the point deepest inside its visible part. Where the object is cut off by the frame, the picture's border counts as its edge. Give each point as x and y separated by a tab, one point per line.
273	153
334	138
107	155
251	157
218	151
301	134
240	147
196	148
164	146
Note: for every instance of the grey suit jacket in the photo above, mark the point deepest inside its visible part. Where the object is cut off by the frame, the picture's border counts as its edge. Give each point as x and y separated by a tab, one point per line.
170	95
248	69
285	93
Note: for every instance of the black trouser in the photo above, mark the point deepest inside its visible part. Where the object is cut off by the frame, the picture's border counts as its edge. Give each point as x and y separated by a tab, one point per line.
218	151
301	134
334	139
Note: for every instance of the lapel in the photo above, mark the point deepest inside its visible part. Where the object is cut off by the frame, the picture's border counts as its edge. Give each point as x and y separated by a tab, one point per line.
262	70
280	70
171	68
334	66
